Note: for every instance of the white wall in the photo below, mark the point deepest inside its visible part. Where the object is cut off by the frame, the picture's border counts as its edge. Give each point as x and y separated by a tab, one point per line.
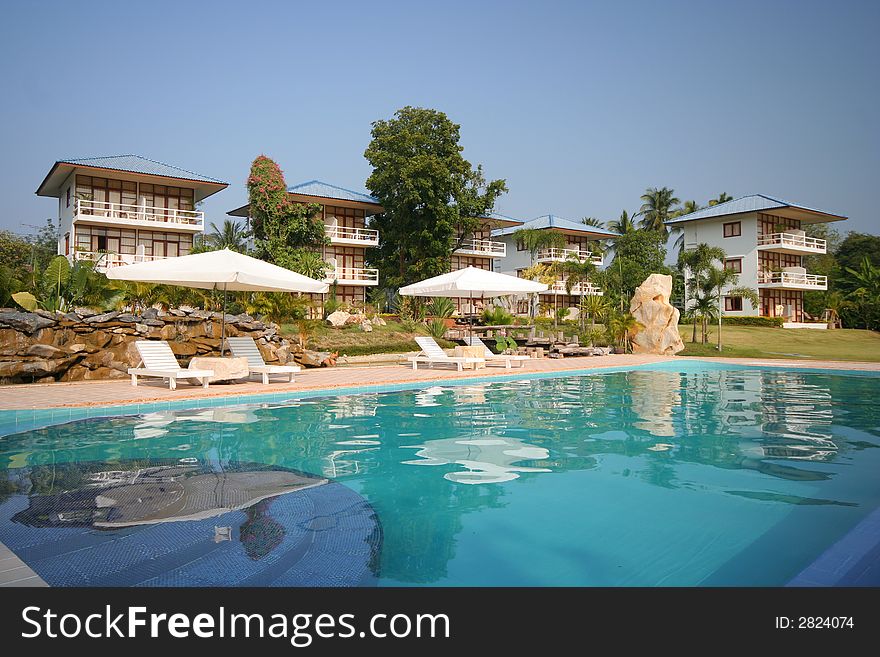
65	213
711	232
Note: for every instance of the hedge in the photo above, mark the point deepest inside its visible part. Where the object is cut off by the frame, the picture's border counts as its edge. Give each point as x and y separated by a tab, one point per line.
768	322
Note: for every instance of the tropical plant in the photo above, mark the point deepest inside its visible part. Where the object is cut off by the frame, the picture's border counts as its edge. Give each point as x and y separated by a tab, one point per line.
441	307
232	235
504	344
308	263
620	328
693	263
430	194
9	285
713	286
436	327
562	314
624	224
282	229
596	306
278	307
592	221
658	206
496	316
536	239
723	197
637	254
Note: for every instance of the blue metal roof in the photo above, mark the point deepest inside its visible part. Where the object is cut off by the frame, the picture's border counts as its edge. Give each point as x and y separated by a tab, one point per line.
326	190
552	221
138	164
750	203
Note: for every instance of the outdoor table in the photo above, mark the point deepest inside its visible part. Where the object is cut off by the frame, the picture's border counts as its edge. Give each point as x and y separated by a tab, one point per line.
225	369
470	352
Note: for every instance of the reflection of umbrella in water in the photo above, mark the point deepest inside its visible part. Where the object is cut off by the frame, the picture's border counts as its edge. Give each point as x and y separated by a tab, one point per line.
486	460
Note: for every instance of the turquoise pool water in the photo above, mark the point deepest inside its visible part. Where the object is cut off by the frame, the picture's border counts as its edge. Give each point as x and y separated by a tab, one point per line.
684	475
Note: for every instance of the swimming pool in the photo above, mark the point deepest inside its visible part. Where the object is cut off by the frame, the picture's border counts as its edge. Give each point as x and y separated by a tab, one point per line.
683	474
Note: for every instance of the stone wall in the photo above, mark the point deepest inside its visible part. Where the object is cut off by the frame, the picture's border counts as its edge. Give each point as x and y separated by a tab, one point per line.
43	346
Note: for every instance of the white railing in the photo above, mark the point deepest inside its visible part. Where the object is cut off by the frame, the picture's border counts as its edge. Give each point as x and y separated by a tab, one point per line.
129	212
487	248
793	239
561	255
792	278
348	234
108	260
352	275
578	289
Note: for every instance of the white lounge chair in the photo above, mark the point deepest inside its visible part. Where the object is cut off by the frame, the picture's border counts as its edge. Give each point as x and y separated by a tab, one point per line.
491	358
431	353
159	361
247	348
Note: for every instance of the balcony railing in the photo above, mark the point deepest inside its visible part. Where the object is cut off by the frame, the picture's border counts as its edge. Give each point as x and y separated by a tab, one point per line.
128	213
577	290
348	235
352	276
561	255
484	248
106	260
793	240
793	280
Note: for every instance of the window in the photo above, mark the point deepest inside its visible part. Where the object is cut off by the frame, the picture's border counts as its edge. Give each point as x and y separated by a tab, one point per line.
733	303
520	245
734	264
67	241
733	229
68	197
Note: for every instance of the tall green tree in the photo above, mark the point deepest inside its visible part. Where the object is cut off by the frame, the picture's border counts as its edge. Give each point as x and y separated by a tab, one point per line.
637	254
282	229
658	206
693	264
431	195
849	255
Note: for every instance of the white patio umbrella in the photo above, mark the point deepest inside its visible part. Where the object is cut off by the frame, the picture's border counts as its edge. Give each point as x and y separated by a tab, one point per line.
472	283
218	270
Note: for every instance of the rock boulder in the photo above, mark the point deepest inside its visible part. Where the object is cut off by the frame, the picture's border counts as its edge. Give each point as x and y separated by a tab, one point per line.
658	319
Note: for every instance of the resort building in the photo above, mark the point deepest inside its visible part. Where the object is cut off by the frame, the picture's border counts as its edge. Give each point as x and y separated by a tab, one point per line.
581	242
345	214
765	243
126	208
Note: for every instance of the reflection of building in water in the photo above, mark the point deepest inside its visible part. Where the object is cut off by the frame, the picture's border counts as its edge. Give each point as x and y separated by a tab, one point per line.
351	406
486	460
654	397
154	425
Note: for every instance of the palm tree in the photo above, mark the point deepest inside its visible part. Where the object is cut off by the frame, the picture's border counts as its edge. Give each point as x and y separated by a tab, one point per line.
657	208
723	197
592	221
687	208
535	239
621	326
695	262
715	281
597	307
231	236
623	225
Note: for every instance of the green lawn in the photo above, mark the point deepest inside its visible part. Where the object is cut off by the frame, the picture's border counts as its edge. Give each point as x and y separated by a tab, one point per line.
759	342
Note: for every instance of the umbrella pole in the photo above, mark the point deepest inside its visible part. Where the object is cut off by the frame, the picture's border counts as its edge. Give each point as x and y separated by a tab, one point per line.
223	324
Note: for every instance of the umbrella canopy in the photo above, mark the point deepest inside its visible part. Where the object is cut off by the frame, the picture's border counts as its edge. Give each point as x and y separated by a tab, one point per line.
472	283
221	270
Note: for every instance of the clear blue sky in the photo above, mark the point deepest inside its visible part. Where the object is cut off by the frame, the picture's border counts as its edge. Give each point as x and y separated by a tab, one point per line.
580	106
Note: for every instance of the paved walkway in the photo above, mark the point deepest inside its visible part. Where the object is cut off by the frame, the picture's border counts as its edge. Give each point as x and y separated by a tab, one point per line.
120	391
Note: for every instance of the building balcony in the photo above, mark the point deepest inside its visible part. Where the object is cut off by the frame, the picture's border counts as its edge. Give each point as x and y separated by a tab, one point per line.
352	276
561	255
347	236
104	261
483	248
144	216
791	280
793	243
578	290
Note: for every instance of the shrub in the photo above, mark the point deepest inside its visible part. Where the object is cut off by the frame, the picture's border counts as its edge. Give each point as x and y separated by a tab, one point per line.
496	316
769	322
503	343
437	328
562	314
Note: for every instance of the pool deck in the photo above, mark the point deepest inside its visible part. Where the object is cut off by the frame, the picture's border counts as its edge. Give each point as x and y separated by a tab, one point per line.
120	391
